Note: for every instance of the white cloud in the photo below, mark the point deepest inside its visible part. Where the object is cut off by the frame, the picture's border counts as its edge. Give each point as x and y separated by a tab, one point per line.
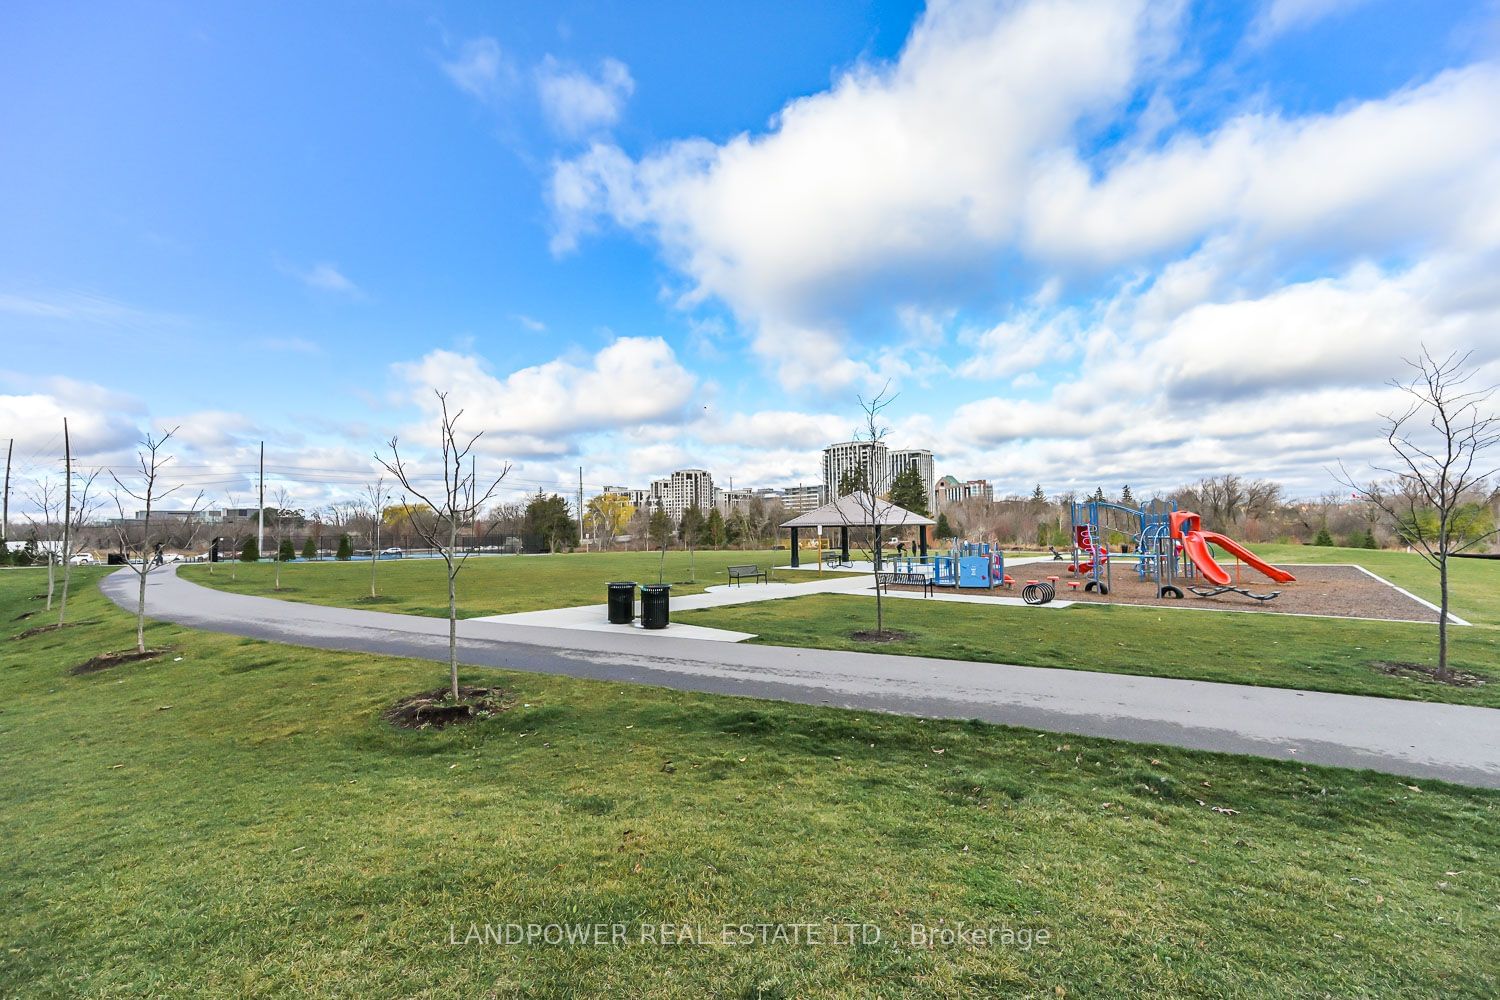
1278	17
1419	165
326	277
906	186
897	179
577	104
531	323
481	69
633	381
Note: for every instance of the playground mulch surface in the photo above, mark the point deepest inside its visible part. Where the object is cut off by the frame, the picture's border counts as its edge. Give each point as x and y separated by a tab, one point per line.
1342	591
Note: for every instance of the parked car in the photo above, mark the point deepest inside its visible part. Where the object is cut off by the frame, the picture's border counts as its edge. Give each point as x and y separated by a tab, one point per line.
83	559
394	552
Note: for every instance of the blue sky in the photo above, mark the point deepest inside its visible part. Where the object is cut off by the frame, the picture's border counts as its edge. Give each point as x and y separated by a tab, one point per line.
1087	241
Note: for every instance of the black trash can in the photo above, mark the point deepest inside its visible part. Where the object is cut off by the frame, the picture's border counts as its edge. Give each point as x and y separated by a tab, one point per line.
655	611
621	602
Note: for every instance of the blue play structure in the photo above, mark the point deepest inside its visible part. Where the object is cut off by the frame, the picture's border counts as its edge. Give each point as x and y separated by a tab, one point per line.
967	565
1158	556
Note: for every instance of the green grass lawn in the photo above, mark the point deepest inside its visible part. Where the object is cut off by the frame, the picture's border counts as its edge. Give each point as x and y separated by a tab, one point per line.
234	819
1315	654
489	585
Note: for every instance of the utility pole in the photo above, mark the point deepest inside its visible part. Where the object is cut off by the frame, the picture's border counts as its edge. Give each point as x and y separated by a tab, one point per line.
67	546
260	511
5	518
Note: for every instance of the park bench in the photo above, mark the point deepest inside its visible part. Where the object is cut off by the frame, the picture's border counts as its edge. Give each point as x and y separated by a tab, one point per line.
888	580
747	573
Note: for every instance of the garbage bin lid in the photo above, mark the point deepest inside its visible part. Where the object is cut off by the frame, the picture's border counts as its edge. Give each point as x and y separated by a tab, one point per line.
621	583
656	586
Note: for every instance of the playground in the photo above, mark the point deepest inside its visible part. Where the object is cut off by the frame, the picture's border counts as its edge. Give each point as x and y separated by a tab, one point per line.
1154	555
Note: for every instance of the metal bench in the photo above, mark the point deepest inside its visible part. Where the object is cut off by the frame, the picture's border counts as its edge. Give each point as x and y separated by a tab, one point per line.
888	580
737	573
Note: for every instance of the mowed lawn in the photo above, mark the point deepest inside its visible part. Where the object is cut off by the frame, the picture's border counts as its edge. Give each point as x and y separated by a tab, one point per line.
488	585
234	819
1315	654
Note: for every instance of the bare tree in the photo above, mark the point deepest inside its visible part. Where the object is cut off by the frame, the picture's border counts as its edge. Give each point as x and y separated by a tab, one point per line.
79	508
148	491
871	509
283	501
377	496
45	497
460	500
1439	440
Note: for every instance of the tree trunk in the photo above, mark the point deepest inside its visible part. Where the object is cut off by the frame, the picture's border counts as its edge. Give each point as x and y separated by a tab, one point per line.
67	547
51	576
374	556
140	608
452	608
1442	671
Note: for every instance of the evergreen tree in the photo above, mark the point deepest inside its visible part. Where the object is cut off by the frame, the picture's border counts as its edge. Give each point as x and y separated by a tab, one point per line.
287	551
659	530
1127	498
346	548
944	529
853	481
1324	538
1038	495
1098	496
547	526
1368	542
250	551
310	548
716	531
690	528
909	491
1043	532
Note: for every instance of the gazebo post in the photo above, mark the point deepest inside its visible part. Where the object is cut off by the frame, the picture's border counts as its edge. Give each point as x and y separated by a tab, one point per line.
922	539
796	550
844	544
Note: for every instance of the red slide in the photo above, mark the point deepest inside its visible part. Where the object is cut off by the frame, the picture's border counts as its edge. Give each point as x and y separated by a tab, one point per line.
1195	543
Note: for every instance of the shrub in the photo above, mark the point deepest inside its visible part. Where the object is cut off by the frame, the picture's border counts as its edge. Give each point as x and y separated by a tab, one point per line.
287	551
250	551
310	548
1324	538
346	548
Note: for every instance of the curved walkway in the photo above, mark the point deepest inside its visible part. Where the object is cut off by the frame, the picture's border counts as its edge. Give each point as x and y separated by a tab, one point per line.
1451	742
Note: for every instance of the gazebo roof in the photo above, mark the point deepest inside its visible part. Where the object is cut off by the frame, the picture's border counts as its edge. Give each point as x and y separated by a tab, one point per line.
854	510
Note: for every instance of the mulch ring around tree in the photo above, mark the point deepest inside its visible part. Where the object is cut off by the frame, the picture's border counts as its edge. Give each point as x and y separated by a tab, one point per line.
437	709
870	635
44	629
1425	672
105	661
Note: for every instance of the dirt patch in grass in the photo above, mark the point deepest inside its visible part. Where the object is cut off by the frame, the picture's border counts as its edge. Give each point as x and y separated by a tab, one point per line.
872	636
382	599
43	629
438	710
1424	672
105	661
23	616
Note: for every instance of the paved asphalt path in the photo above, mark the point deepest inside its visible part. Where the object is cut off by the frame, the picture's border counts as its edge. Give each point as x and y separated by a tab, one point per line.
1451	742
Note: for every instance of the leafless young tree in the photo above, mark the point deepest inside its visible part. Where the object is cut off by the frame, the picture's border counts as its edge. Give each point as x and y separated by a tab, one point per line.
376	496
1440	442
868	505
460	501
135	535
283	501
45	497
80	505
